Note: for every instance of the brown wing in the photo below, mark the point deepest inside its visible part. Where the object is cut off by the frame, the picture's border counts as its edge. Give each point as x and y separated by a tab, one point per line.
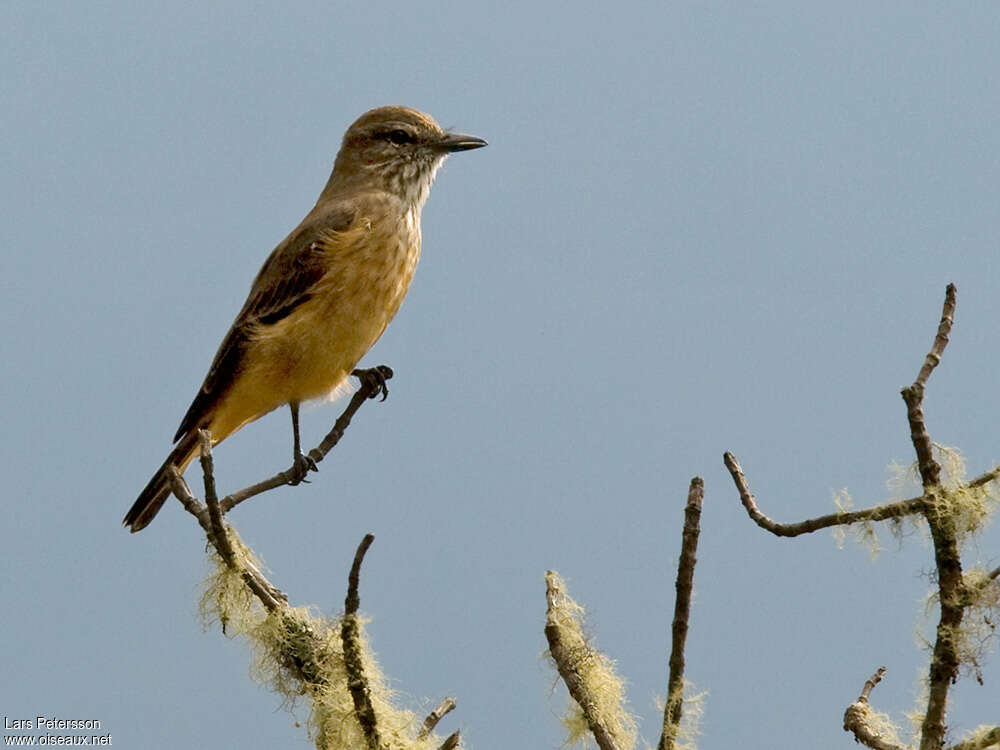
284	282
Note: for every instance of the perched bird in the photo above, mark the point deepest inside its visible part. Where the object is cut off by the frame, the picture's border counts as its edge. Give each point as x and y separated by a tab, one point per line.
325	294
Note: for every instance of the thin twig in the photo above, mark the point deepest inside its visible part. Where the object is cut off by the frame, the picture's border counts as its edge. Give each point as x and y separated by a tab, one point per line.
353	600
221	538
452	741
857	714
941	339
183	493
986	478
682	612
370	388
913	395
878	513
350	636
444	707
870	684
372	384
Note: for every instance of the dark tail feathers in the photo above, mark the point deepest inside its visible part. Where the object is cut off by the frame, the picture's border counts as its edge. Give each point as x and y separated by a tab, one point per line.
151	499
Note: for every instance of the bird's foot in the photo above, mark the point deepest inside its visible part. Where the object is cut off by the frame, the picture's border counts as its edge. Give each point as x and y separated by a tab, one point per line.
302	465
375	380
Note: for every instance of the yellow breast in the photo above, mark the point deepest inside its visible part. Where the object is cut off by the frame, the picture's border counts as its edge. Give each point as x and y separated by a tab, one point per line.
310	353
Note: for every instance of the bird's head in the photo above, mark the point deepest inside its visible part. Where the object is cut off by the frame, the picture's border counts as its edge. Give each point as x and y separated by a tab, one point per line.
397	149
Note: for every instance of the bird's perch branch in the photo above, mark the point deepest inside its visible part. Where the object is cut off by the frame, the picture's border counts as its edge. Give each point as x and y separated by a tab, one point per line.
296	643
857	718
682	611
210	515
372	385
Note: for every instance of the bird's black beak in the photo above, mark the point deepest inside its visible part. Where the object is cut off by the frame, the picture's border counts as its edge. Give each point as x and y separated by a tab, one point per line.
457	142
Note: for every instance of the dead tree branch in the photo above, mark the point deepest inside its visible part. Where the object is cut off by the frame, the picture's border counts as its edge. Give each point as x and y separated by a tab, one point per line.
878	513
952	594
682	612
944	659
350	636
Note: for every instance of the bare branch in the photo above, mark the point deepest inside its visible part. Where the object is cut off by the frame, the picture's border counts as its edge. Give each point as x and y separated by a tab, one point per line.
220	537
350	635
980	740
370	388
941	339
930	469
913	395
986	478
877	513
183	493
870	684
444	707
353	600
858	714
682	611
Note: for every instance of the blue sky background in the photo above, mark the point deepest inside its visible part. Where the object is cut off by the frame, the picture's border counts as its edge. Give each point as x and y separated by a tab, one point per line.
698	227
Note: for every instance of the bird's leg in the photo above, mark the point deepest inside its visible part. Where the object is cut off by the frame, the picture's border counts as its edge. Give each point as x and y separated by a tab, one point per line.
301	463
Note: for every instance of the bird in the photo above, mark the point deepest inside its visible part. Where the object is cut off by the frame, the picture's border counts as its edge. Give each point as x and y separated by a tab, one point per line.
325	294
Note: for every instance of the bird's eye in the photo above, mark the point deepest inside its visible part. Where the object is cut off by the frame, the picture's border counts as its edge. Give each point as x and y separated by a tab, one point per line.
399	137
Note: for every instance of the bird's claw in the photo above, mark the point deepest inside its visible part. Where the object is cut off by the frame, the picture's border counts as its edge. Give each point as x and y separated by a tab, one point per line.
302	465
375	380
